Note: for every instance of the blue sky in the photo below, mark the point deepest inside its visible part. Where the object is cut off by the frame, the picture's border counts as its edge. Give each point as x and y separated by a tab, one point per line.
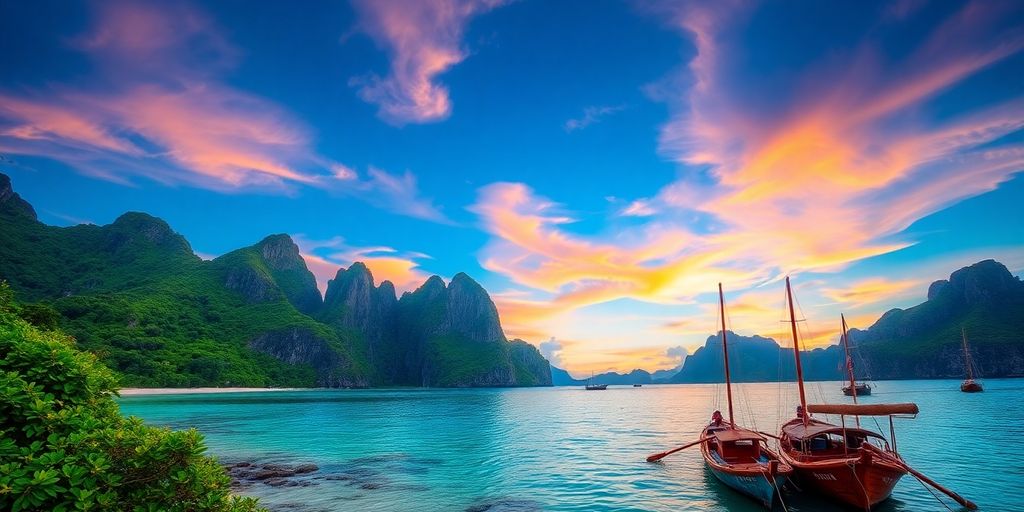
598	166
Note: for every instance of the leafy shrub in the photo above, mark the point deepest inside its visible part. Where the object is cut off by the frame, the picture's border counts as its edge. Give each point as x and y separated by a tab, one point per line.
65	446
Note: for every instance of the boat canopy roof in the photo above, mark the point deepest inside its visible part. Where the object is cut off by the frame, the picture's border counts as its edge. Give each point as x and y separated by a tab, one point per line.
864	409
796	430
736	434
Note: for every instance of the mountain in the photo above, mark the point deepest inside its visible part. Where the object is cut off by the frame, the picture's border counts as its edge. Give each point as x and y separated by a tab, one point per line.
134	293
924	341
755	359
438	335
666	375
920	342
560	377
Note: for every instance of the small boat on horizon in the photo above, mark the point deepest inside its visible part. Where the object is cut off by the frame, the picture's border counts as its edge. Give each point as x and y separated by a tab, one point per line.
739	457
855	388
638	385
969	385
590	386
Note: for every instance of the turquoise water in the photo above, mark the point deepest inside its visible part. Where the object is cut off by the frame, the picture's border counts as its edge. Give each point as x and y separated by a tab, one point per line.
570	449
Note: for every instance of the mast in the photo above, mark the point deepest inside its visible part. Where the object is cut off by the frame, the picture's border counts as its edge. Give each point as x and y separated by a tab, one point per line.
967	355
849	362
725	352
796	353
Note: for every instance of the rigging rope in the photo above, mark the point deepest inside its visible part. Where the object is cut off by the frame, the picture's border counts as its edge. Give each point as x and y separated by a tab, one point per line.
932	492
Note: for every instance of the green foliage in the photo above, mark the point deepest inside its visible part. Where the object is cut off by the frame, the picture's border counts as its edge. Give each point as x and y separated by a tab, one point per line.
65	446
40	315
134	294
457	361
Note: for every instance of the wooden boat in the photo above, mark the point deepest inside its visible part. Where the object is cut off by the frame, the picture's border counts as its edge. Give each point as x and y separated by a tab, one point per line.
739	457
969	385
832	459
855	388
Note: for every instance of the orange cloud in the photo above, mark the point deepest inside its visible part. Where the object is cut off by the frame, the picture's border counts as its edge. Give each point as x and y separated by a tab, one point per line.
424	39
871	291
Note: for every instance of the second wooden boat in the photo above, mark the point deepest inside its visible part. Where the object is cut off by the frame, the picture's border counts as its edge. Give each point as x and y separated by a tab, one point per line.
739	457
831	458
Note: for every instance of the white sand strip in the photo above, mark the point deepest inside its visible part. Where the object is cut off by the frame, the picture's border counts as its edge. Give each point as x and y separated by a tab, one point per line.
194	391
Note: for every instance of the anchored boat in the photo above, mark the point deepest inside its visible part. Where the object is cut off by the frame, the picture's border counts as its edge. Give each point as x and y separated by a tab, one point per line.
855	388
739	457
851	464
969	385
594	387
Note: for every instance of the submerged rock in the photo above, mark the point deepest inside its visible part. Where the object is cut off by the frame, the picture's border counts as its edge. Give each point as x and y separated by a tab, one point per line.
505	504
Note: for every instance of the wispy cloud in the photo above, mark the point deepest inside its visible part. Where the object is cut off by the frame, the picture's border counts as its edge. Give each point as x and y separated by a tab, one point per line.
591	115
844	167
423	39
873	291
159	109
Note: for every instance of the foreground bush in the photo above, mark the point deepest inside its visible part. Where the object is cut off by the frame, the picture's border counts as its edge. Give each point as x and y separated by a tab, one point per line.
64	445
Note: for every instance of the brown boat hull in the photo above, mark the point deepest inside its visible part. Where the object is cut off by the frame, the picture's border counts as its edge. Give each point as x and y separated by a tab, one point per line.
860	481
971	387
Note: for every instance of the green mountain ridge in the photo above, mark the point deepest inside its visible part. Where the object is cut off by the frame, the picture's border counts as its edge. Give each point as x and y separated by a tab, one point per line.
134	293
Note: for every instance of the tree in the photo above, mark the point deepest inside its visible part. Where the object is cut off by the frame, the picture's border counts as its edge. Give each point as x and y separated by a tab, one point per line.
64	444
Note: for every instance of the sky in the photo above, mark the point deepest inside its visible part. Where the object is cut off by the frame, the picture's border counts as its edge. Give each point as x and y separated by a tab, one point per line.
598	166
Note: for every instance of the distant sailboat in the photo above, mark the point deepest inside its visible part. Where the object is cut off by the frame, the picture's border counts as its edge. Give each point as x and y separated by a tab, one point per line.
739	457
970	385
594	387
855	388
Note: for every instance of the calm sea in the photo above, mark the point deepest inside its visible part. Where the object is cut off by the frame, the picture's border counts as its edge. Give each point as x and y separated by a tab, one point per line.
502	450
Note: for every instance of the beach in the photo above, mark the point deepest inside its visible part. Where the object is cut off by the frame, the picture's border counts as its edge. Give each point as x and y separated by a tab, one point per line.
193	391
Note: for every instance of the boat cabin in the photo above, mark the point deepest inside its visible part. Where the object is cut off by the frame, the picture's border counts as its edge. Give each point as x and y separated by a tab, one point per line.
825	440
734	444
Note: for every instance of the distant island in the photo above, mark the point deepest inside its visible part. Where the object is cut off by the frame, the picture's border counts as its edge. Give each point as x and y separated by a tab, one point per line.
135	294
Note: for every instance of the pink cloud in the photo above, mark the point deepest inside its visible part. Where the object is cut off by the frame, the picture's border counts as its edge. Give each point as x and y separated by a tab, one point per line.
423	39
164	114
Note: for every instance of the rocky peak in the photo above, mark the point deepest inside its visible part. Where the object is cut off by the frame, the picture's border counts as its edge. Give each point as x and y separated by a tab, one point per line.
354	303
280	253
982	282
271	269
431	289
936	288
137	230
471	312
10	201
386	290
